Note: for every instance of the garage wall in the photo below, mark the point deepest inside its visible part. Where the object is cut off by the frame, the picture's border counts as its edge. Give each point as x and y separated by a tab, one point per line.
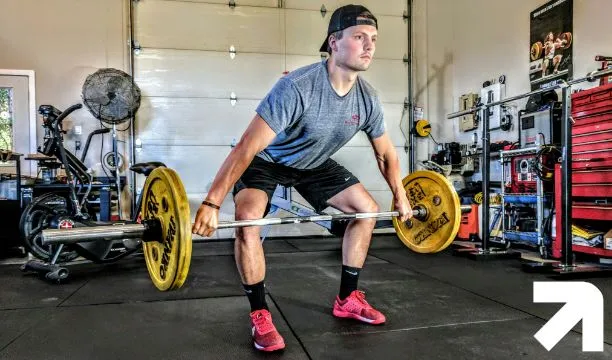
460	44
188	76
64	41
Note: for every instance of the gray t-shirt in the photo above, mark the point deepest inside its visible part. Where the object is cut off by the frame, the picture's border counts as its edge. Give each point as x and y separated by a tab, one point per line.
312	121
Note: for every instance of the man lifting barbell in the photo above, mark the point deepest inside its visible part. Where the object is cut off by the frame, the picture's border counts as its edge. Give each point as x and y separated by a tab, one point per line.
309	115
275	150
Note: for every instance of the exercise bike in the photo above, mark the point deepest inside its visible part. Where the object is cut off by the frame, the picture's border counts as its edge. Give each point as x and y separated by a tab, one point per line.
71	209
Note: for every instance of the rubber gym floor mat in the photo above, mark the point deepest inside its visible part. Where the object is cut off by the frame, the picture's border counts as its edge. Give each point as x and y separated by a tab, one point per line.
16	322
184	329
21	290
305	295
226	247
309	259
500	340
209	276
502	281
379	241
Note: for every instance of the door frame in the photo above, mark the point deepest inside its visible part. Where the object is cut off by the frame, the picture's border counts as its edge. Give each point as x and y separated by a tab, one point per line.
31	109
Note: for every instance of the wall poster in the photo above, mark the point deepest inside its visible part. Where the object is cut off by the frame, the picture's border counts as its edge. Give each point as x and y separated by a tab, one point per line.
550	56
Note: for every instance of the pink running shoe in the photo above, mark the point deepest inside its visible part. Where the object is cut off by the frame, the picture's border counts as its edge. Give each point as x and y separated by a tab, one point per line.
356	307
265	335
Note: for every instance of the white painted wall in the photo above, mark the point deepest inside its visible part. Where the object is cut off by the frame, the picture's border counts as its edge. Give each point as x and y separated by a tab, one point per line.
64	41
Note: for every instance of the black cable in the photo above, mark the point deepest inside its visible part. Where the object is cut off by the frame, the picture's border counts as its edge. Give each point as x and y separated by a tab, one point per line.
432	138
543	137
539	166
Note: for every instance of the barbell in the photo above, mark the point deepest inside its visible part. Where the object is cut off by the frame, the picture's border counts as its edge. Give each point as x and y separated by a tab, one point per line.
165	228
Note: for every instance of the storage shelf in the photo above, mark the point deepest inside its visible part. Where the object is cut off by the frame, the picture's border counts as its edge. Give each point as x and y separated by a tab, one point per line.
526	198
531	237
592	250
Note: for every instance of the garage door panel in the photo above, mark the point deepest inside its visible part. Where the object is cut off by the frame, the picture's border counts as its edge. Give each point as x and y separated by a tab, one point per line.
377	7
196	165
239	3
392	34
193	121
183	73
202	26
362	163
392	42
304	42
389	78
296	61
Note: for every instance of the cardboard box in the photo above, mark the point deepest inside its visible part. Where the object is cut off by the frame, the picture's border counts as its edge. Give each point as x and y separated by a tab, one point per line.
608	240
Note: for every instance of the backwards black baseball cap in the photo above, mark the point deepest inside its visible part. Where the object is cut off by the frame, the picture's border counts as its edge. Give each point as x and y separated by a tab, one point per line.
347	16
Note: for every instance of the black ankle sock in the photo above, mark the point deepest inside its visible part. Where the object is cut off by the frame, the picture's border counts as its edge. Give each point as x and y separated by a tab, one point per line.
257	295
348	281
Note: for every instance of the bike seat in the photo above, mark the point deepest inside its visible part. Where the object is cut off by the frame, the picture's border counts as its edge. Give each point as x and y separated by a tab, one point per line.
48	110
146	167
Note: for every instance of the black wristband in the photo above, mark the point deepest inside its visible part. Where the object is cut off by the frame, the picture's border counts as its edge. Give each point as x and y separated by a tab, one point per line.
207	203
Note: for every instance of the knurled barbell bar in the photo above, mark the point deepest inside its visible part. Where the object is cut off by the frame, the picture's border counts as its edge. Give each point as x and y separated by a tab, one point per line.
165	230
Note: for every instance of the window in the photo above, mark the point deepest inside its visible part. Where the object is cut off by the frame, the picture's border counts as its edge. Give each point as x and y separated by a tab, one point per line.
6	118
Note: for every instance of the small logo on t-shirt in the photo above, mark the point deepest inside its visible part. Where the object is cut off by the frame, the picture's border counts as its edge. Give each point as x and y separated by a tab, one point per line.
353	121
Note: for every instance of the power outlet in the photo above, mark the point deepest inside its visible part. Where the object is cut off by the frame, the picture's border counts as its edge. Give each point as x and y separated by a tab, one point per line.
78	129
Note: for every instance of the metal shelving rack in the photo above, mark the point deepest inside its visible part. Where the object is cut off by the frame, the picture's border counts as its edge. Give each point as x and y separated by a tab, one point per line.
540	197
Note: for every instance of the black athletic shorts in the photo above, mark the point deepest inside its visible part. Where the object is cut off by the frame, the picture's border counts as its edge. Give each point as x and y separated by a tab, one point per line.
316	185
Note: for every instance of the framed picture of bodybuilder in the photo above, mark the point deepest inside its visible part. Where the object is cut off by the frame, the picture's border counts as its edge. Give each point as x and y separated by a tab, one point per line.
550	55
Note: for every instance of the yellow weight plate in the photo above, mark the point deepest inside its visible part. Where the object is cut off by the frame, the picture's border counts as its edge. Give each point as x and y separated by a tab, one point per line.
437	195
536	50
169	258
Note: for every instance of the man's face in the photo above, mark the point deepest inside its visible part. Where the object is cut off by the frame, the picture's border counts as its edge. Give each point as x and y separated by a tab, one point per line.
355	49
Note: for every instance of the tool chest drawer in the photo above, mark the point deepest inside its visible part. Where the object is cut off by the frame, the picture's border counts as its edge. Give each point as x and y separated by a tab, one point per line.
593	212
593	191
593	137
593	145
593	101
596	155
586	129
592	177
588	164
599	118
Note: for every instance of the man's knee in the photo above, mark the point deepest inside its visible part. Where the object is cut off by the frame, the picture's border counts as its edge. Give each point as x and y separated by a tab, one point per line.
250	205
370	205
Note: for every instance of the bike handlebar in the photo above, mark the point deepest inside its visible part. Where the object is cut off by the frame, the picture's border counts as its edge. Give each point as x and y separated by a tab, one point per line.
67	112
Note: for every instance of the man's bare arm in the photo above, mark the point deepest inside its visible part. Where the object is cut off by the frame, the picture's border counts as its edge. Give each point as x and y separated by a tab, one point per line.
256	137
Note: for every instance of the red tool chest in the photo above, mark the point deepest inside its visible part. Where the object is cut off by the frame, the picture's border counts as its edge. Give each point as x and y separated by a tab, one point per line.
591	165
